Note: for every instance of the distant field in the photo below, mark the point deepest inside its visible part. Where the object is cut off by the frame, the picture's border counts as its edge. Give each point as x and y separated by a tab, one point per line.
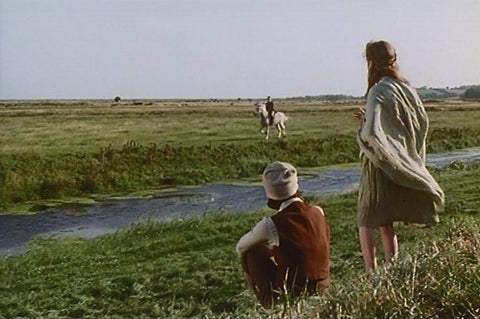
77	127
57	149
83	126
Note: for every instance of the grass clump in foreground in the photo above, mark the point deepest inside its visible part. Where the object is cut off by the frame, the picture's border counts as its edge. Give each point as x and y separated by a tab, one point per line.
439	278
189	268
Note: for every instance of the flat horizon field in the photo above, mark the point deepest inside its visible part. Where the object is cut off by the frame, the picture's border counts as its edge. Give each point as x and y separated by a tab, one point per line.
53	127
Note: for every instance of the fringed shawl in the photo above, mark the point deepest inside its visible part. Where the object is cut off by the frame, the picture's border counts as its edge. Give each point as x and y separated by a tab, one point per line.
392	136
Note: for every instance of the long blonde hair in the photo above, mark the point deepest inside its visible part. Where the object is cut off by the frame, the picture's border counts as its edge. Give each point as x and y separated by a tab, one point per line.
383	59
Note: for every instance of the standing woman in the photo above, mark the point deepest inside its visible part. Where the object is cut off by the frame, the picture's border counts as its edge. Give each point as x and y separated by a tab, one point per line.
395	185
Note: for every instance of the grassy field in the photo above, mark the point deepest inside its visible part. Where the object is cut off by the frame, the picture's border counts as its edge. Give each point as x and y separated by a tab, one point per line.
189	268
81	126
60	149
75	149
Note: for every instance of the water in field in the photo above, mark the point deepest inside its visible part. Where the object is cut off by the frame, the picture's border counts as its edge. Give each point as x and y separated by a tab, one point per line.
110	215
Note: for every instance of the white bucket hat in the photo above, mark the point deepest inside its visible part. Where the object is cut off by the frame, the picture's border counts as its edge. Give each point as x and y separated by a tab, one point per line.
280	180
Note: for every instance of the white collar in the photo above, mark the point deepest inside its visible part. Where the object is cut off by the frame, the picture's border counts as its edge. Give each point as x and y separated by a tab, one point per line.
288	202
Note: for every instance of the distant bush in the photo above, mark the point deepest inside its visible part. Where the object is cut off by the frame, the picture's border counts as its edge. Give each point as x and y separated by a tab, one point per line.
472	93
117	99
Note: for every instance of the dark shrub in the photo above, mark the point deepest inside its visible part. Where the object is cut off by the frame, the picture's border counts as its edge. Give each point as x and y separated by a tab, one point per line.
51	188
87	184
472	93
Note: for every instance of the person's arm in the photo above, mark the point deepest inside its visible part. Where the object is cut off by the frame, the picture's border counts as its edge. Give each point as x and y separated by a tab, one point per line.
263	232
371	117
359	114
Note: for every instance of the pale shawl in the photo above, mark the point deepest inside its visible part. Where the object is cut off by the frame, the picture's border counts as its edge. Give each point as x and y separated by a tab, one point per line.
393	134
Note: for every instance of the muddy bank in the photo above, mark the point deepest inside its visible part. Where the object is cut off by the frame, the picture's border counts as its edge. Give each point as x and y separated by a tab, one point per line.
90	220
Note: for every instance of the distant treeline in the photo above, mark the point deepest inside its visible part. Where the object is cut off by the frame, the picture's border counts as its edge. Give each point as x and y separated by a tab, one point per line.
327	97
426	93
461	92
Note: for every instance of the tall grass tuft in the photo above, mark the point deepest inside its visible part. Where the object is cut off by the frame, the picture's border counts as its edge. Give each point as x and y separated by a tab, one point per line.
437	279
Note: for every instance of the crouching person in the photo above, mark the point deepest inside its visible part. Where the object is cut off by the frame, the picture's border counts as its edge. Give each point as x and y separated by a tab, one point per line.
288	251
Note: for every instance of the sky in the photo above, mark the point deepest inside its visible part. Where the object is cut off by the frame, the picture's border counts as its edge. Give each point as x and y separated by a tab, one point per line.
80	49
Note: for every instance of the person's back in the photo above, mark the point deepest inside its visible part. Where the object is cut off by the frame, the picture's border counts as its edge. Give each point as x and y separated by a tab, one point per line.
395	185
292	244
270	107
405	106
303	253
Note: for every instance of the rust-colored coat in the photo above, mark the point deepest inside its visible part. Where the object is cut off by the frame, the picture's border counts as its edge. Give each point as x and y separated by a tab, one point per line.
303	253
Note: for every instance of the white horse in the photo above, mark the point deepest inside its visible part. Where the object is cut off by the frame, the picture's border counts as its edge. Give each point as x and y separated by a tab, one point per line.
279	119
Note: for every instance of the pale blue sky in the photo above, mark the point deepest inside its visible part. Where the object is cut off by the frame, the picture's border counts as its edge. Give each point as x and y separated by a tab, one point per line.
227	48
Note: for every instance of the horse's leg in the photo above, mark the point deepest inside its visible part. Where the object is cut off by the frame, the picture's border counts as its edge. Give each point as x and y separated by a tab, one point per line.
279	129
268	132
284	128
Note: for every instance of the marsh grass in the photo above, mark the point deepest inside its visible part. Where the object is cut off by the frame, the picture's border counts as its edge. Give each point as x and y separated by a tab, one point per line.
58	149
188	268
133	166
56	128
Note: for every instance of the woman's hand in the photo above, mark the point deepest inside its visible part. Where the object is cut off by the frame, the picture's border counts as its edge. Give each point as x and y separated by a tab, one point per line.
359	114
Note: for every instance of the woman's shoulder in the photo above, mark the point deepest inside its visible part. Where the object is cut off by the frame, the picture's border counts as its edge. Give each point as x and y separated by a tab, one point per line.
394	84
392	91
388	86
388	83
379	89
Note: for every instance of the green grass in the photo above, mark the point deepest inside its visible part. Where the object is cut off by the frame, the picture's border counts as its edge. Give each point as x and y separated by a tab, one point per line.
60	150
134	167
57	128
55	150
189	268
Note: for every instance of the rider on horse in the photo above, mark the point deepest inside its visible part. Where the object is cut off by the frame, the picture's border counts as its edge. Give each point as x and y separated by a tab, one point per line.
270	109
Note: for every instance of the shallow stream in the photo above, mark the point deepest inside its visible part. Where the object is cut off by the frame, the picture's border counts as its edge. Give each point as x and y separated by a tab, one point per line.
110	215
